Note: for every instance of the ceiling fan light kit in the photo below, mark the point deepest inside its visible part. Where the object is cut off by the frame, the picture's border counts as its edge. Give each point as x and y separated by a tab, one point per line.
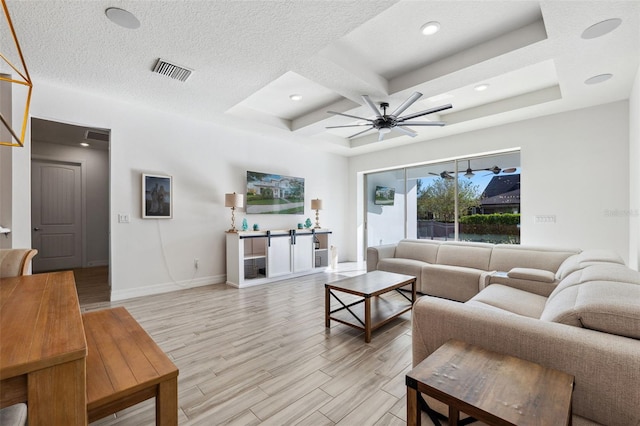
384	123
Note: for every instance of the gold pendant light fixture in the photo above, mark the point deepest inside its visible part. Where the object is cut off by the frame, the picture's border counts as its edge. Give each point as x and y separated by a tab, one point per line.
24	79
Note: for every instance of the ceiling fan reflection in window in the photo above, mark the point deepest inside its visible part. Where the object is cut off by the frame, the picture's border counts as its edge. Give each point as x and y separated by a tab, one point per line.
469	172
385	123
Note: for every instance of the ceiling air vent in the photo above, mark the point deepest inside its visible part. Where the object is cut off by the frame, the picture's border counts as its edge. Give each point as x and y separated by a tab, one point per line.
172	70
94	135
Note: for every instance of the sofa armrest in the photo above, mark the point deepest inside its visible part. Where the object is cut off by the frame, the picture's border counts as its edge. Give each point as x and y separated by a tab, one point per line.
606	367
374	254
531	274
485	279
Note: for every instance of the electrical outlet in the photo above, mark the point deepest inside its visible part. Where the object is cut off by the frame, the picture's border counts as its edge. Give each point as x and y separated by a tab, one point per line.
195	262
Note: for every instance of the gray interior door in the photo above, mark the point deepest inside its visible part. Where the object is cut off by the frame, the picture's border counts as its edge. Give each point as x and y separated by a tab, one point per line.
56	215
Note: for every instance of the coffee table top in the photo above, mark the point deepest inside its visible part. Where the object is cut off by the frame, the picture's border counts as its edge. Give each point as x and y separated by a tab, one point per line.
371	284
494	387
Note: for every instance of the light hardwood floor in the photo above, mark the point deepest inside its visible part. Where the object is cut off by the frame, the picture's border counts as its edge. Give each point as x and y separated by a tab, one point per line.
261	355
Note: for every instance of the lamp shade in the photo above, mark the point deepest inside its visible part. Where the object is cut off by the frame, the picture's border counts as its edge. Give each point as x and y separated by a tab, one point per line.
234	200
316	204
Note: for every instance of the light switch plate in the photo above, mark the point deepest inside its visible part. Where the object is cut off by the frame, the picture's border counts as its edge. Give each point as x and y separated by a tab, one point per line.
123	218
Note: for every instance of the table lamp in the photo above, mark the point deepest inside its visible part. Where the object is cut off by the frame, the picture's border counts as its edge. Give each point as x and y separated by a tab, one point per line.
317	206
234	201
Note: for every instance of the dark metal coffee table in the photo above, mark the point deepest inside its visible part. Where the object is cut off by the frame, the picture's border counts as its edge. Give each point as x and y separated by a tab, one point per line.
370	311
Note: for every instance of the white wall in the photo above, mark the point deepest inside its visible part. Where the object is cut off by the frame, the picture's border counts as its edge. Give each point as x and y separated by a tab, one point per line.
574	166
206	161
634	174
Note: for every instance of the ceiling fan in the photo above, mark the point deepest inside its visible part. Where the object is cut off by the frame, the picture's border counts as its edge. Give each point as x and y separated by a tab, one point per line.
384	122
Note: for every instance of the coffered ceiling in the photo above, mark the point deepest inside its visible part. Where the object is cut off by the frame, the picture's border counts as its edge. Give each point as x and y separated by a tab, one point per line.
248	57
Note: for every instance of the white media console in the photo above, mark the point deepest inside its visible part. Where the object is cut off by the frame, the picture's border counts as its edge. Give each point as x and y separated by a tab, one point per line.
258	257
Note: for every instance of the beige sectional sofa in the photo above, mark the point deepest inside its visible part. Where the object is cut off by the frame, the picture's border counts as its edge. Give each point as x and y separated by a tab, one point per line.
575	311
459	270
588	326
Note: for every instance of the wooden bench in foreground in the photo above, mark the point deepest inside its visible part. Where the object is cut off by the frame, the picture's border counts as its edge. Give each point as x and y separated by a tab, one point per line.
125	367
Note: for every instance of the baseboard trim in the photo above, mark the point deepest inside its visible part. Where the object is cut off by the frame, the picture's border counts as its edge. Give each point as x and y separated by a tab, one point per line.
166	287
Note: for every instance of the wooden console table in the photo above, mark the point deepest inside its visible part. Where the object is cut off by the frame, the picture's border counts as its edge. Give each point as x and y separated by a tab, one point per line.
43	348
491	387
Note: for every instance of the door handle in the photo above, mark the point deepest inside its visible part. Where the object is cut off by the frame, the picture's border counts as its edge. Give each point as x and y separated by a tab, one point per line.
36	229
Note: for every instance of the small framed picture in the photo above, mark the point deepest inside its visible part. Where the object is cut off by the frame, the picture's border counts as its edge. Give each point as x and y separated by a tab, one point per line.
157	194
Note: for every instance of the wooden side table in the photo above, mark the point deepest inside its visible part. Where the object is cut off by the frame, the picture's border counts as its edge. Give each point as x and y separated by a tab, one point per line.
491	387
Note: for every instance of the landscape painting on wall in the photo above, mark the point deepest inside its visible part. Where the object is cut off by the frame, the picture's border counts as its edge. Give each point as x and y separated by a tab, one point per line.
157	192
274	194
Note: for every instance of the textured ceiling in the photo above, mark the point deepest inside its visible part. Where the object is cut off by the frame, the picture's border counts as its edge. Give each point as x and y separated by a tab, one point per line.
249	56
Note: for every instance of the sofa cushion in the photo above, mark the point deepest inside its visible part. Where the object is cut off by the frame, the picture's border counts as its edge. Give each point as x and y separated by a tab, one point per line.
504	257
599	271
511	300
403	266
469	255
587	258
424	250
452	282
610	307
532	274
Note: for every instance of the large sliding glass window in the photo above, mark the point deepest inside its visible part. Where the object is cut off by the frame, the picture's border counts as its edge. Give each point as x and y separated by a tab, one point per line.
470	199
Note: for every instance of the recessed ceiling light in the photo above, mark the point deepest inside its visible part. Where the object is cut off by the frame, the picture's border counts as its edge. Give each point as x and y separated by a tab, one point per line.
481	87
598	79
122	17
295	97
84	144
430	28
601	28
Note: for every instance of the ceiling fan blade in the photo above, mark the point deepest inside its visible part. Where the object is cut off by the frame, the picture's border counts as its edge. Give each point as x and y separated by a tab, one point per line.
373	107
359	133
407	132
348	115
495	170
425	112
347	125
406	104
380	136
424	123
444	174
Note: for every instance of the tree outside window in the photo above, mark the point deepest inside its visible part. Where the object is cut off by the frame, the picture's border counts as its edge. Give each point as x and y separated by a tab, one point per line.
437	200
